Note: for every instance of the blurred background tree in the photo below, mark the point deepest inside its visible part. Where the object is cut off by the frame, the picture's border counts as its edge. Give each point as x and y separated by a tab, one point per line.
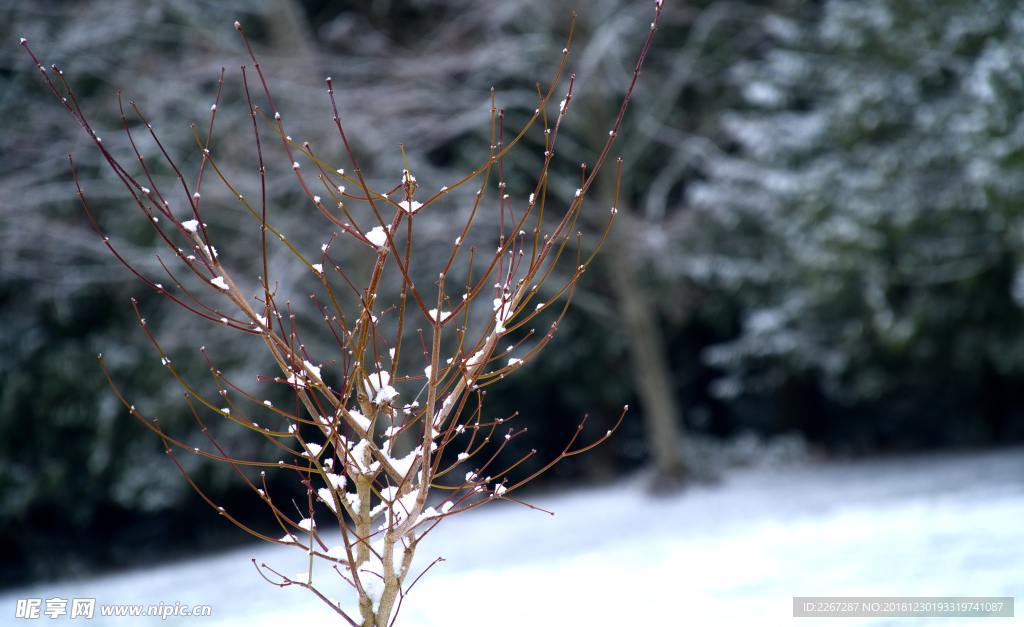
868	223
819	229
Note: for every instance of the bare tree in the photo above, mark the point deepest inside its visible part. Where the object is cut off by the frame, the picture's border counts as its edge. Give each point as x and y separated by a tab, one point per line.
340	428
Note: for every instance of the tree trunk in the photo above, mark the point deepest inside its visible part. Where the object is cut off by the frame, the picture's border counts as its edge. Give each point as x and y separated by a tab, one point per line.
291	33
650	367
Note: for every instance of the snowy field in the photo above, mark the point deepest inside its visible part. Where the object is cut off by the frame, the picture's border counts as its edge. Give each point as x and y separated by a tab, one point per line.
734	553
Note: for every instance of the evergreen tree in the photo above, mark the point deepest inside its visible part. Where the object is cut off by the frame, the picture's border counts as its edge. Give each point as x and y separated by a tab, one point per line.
869	219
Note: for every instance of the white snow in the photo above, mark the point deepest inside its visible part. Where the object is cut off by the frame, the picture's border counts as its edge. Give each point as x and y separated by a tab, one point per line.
385	395
314	449
318	268
360	419
219	282
337	552
439	315
410	206
378	385
337	481
373	585
353	500
327	498
734	553
475	358
377	236
312	368
357	456
403	464
503	310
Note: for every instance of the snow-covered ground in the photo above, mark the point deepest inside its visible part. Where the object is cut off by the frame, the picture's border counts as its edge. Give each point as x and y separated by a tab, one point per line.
734	553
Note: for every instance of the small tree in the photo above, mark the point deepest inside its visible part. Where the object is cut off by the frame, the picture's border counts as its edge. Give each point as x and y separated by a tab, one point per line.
366	458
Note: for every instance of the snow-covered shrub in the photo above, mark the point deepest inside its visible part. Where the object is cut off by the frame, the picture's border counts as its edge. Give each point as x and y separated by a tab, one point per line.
384	428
